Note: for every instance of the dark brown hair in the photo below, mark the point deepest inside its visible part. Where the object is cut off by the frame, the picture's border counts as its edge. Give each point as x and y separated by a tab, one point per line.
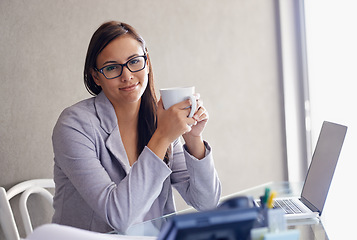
106	33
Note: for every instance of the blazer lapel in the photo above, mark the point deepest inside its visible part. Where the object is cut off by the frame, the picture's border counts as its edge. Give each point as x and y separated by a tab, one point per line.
116	147
109	123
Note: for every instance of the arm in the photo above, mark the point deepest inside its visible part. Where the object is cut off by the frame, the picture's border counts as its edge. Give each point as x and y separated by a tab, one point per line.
195	146
196	180
119	200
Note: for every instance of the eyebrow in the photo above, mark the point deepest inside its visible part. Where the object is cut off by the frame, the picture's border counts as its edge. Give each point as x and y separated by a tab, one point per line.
115	62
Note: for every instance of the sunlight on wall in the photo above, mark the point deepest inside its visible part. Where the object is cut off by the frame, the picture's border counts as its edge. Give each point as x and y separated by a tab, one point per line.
332	59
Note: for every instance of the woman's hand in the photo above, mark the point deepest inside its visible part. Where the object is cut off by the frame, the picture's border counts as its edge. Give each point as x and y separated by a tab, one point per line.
171	124
201	118
193	138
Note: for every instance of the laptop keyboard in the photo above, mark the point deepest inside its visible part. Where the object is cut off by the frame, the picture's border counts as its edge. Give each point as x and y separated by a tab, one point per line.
287	205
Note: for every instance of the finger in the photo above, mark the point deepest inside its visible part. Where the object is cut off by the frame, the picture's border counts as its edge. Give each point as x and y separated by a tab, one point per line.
191	125
188	129
200	114
191	122
199	104
184	104
203	117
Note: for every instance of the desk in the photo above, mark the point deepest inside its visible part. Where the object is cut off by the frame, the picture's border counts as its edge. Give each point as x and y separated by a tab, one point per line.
309	229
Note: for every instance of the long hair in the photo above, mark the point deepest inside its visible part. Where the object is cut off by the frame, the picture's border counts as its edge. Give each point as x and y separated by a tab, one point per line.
106	33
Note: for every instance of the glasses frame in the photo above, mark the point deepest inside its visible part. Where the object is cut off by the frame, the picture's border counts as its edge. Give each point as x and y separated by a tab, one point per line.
122	66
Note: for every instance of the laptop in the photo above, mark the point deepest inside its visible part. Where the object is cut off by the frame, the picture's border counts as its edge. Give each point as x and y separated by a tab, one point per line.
319	176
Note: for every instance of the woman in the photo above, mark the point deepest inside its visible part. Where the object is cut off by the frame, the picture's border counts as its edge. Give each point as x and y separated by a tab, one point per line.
118	154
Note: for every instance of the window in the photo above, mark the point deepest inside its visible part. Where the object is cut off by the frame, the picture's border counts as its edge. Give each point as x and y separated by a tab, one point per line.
331	38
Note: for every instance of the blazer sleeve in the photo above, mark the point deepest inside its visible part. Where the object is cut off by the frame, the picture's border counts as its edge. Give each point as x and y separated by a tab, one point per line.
119	204
196	180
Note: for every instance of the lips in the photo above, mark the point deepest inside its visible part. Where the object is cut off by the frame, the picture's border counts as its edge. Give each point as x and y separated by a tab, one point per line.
130	87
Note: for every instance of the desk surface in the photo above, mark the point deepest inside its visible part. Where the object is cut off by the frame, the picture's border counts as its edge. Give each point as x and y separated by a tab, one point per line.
311	229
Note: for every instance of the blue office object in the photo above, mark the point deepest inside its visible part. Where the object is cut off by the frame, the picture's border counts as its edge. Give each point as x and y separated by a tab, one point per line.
221	223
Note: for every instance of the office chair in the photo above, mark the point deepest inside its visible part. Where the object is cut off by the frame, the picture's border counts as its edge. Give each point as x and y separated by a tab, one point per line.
26	188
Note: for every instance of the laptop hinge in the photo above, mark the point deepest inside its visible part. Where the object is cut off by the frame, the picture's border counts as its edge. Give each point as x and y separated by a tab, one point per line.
310	205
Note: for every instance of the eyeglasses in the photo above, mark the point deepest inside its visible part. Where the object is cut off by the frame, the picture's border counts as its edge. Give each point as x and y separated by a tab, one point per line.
134	64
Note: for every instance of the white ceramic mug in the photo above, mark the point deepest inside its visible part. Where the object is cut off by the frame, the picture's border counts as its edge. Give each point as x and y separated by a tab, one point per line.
171	96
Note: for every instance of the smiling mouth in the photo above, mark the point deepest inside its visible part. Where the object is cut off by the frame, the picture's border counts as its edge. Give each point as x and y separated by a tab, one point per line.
129	88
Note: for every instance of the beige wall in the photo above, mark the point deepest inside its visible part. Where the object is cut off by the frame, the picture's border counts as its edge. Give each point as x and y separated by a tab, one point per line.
228	49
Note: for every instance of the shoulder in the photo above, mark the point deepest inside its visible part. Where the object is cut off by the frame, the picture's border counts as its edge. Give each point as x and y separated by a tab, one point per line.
96	113
79	112
79	116
83	107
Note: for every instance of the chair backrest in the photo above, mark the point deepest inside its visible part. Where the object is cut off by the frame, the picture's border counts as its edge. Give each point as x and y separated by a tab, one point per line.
26	188
7	220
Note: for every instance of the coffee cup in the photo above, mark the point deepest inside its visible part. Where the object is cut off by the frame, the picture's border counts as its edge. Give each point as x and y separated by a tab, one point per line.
171	96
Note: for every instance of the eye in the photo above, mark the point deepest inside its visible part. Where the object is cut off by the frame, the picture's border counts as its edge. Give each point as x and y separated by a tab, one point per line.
134	61
110	68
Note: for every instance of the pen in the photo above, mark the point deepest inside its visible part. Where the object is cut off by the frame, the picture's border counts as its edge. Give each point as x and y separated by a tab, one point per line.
266	195
262	202
270	200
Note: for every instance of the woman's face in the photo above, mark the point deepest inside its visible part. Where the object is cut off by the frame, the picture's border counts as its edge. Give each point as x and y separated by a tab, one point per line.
129	86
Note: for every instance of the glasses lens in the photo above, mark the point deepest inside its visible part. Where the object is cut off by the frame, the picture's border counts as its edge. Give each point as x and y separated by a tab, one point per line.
136	64
112	71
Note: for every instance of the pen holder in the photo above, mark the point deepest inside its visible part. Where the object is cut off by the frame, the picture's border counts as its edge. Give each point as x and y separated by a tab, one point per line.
271	225
262	220
276	220
272	218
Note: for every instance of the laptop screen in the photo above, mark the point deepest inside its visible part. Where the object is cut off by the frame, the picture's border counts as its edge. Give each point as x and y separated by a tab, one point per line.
323	164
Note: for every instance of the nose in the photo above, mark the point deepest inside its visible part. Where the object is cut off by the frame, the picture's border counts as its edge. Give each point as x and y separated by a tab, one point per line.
126	75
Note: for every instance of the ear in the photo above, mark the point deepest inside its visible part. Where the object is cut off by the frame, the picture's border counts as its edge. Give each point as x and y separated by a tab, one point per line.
95	76
148	66
148	62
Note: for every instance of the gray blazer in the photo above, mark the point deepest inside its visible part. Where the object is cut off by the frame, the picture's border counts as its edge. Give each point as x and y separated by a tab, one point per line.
97	189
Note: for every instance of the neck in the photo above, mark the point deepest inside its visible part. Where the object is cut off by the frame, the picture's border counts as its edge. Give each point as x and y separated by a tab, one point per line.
128	113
